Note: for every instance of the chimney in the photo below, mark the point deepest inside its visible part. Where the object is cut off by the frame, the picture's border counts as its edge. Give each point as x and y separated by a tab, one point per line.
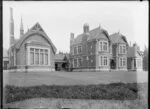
11	27
71	36
86	28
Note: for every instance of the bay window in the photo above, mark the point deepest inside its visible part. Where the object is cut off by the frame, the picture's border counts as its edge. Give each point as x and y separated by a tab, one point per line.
122	61
122	48
103	61
38	56
103	45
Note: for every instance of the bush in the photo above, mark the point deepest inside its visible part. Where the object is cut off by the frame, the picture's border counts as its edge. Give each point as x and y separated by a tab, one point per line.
115	91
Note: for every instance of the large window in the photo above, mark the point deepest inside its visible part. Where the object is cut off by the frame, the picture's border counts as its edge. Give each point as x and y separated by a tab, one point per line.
79	49
103	61
31	56
122	49
38	56
122	62
79	62
103	45
75	63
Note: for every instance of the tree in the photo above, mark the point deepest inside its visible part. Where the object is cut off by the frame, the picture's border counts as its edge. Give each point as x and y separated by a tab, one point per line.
145	59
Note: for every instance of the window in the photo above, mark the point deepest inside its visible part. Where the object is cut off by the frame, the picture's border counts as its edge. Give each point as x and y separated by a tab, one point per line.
122	49
103	45
122	62
103	61
79	49
31	56
79	61
75	50
75	62
38	56
46	57
41	57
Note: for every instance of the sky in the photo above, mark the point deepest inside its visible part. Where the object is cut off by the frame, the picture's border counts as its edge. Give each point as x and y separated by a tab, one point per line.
60	18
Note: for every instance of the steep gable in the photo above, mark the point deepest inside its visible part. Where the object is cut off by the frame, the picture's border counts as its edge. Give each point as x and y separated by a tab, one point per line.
118	38
95	33
36	29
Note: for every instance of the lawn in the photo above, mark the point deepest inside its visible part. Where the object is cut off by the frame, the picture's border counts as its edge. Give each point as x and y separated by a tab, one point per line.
72	78
78	78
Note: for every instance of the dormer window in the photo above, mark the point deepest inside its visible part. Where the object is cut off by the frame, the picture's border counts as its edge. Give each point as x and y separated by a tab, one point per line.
103	45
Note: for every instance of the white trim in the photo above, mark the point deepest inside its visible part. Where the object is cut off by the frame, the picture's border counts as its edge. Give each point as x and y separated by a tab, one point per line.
102	46
103	58
44	48
121	59
122	46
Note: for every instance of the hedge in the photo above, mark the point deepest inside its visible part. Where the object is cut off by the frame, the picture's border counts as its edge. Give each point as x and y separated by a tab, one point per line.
114	91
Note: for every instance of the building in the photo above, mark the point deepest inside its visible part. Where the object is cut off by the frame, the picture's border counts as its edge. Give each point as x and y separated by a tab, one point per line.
119	51
135	58
5	59
62	62
91	50
32	51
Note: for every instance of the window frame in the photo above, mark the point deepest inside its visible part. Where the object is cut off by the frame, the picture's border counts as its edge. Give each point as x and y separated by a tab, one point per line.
101	45
39	56
122	49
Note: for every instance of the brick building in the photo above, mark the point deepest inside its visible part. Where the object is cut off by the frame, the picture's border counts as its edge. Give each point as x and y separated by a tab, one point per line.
119	51
97	50
90	50
135	58
32	51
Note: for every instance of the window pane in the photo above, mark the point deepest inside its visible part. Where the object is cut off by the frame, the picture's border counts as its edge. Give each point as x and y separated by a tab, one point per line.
31	58
46	59
41	50
105	46
36	50
79	60
75	62
101	61
36	58
31	49
41	58
46	51
124	49
79	49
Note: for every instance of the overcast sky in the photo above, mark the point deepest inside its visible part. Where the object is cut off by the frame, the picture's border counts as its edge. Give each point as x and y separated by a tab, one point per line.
59	19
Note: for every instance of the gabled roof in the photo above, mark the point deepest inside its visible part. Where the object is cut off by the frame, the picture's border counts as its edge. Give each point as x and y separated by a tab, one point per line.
115	38
61	56
36	29
133	52
93	34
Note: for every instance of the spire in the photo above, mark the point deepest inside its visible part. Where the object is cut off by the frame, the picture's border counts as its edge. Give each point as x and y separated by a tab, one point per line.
11	27
21	28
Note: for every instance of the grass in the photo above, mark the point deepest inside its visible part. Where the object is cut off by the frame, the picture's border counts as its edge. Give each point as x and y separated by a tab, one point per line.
115	91
19	87
72	78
